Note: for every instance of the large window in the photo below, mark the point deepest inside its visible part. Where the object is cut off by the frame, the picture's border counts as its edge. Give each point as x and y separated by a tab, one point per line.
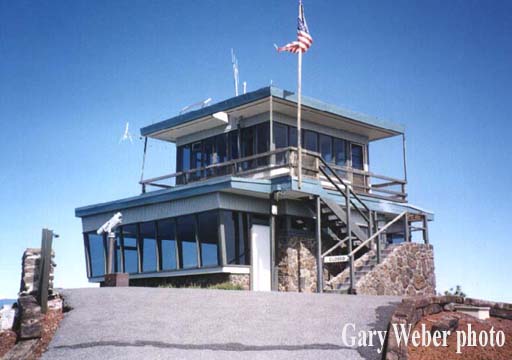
185	242
149	249
130	251
187	239
208	231
96	254
168	244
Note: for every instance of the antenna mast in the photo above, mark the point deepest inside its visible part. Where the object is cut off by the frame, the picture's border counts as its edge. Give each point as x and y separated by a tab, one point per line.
234	62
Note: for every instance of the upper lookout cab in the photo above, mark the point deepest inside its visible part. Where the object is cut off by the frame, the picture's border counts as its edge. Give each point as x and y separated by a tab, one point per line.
234	205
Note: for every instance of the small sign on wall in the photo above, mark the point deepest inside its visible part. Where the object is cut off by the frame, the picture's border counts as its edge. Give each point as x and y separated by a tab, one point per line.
335	259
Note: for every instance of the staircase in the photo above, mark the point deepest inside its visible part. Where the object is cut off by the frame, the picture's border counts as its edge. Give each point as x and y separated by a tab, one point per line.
363	266
335	217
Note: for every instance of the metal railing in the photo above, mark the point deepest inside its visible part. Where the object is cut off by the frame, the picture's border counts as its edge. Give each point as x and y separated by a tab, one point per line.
261	165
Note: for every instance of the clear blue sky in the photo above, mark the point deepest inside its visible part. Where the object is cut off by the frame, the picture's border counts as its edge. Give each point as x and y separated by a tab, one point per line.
72	73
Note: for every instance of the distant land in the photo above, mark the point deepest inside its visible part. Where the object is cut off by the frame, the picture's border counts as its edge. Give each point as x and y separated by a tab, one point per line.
6	302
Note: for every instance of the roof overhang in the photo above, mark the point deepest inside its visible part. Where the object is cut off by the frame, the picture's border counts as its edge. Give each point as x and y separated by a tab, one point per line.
285	102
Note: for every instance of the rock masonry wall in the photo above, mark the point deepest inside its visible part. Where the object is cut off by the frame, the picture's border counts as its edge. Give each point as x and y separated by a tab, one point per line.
407	271
296	263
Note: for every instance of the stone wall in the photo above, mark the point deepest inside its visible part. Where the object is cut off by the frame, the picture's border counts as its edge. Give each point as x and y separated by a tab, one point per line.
30	318
407	271
30	263
202	280
296	263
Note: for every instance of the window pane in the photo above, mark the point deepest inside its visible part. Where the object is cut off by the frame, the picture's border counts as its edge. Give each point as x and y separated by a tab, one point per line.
229	219
197	162
310	140
248	143
280	140
187	238
292	137
357	157
183	162
131	259
209	238
340	152
208	154
167	238
147	234
233	144
263	132
243	239
117	255
96	254
326	147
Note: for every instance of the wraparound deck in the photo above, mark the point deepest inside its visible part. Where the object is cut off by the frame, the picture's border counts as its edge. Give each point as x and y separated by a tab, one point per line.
284	162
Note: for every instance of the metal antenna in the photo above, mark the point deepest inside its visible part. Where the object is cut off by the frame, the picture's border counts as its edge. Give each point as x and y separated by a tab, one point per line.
126	135
234	62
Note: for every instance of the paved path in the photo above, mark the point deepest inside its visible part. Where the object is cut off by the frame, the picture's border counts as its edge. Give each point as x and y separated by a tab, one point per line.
153	323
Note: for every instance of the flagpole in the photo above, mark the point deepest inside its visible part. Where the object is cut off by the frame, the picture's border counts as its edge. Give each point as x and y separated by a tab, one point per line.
299	104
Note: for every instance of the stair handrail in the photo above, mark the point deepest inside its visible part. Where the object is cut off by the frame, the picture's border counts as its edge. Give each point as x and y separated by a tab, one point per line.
326	164
381	230
343	193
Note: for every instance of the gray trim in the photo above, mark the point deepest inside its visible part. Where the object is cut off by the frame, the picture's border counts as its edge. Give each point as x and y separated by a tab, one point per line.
262	94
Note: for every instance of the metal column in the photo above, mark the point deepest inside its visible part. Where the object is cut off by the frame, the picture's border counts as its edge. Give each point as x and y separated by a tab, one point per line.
319	262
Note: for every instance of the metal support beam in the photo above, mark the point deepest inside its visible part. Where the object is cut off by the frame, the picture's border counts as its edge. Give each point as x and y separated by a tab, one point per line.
319	260
425	230
45	263
273	268
407	235
404	153
349	234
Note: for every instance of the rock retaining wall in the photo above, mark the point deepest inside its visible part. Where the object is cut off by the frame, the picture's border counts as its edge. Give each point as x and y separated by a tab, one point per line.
411	310
30	272
407	271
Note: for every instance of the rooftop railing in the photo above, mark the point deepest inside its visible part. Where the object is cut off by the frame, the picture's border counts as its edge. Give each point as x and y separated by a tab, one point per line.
281	162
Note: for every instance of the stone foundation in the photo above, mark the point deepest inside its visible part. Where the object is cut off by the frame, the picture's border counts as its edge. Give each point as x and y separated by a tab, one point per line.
202	280
296	263
407	271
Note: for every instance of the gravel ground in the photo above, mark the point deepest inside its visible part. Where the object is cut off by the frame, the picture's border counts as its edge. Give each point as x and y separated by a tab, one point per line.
154	323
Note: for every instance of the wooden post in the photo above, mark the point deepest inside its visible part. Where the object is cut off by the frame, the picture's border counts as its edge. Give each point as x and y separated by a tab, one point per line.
45	263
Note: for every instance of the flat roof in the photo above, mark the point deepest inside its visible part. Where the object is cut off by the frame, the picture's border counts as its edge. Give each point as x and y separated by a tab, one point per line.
246	186
287	96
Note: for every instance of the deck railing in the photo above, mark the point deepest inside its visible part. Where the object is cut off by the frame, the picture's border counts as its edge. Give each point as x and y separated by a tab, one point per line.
283	161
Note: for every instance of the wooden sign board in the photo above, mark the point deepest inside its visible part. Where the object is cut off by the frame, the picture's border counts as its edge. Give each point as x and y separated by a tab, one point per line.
335	259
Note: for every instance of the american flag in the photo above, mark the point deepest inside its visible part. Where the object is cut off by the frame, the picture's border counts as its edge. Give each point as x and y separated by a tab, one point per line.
304	39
